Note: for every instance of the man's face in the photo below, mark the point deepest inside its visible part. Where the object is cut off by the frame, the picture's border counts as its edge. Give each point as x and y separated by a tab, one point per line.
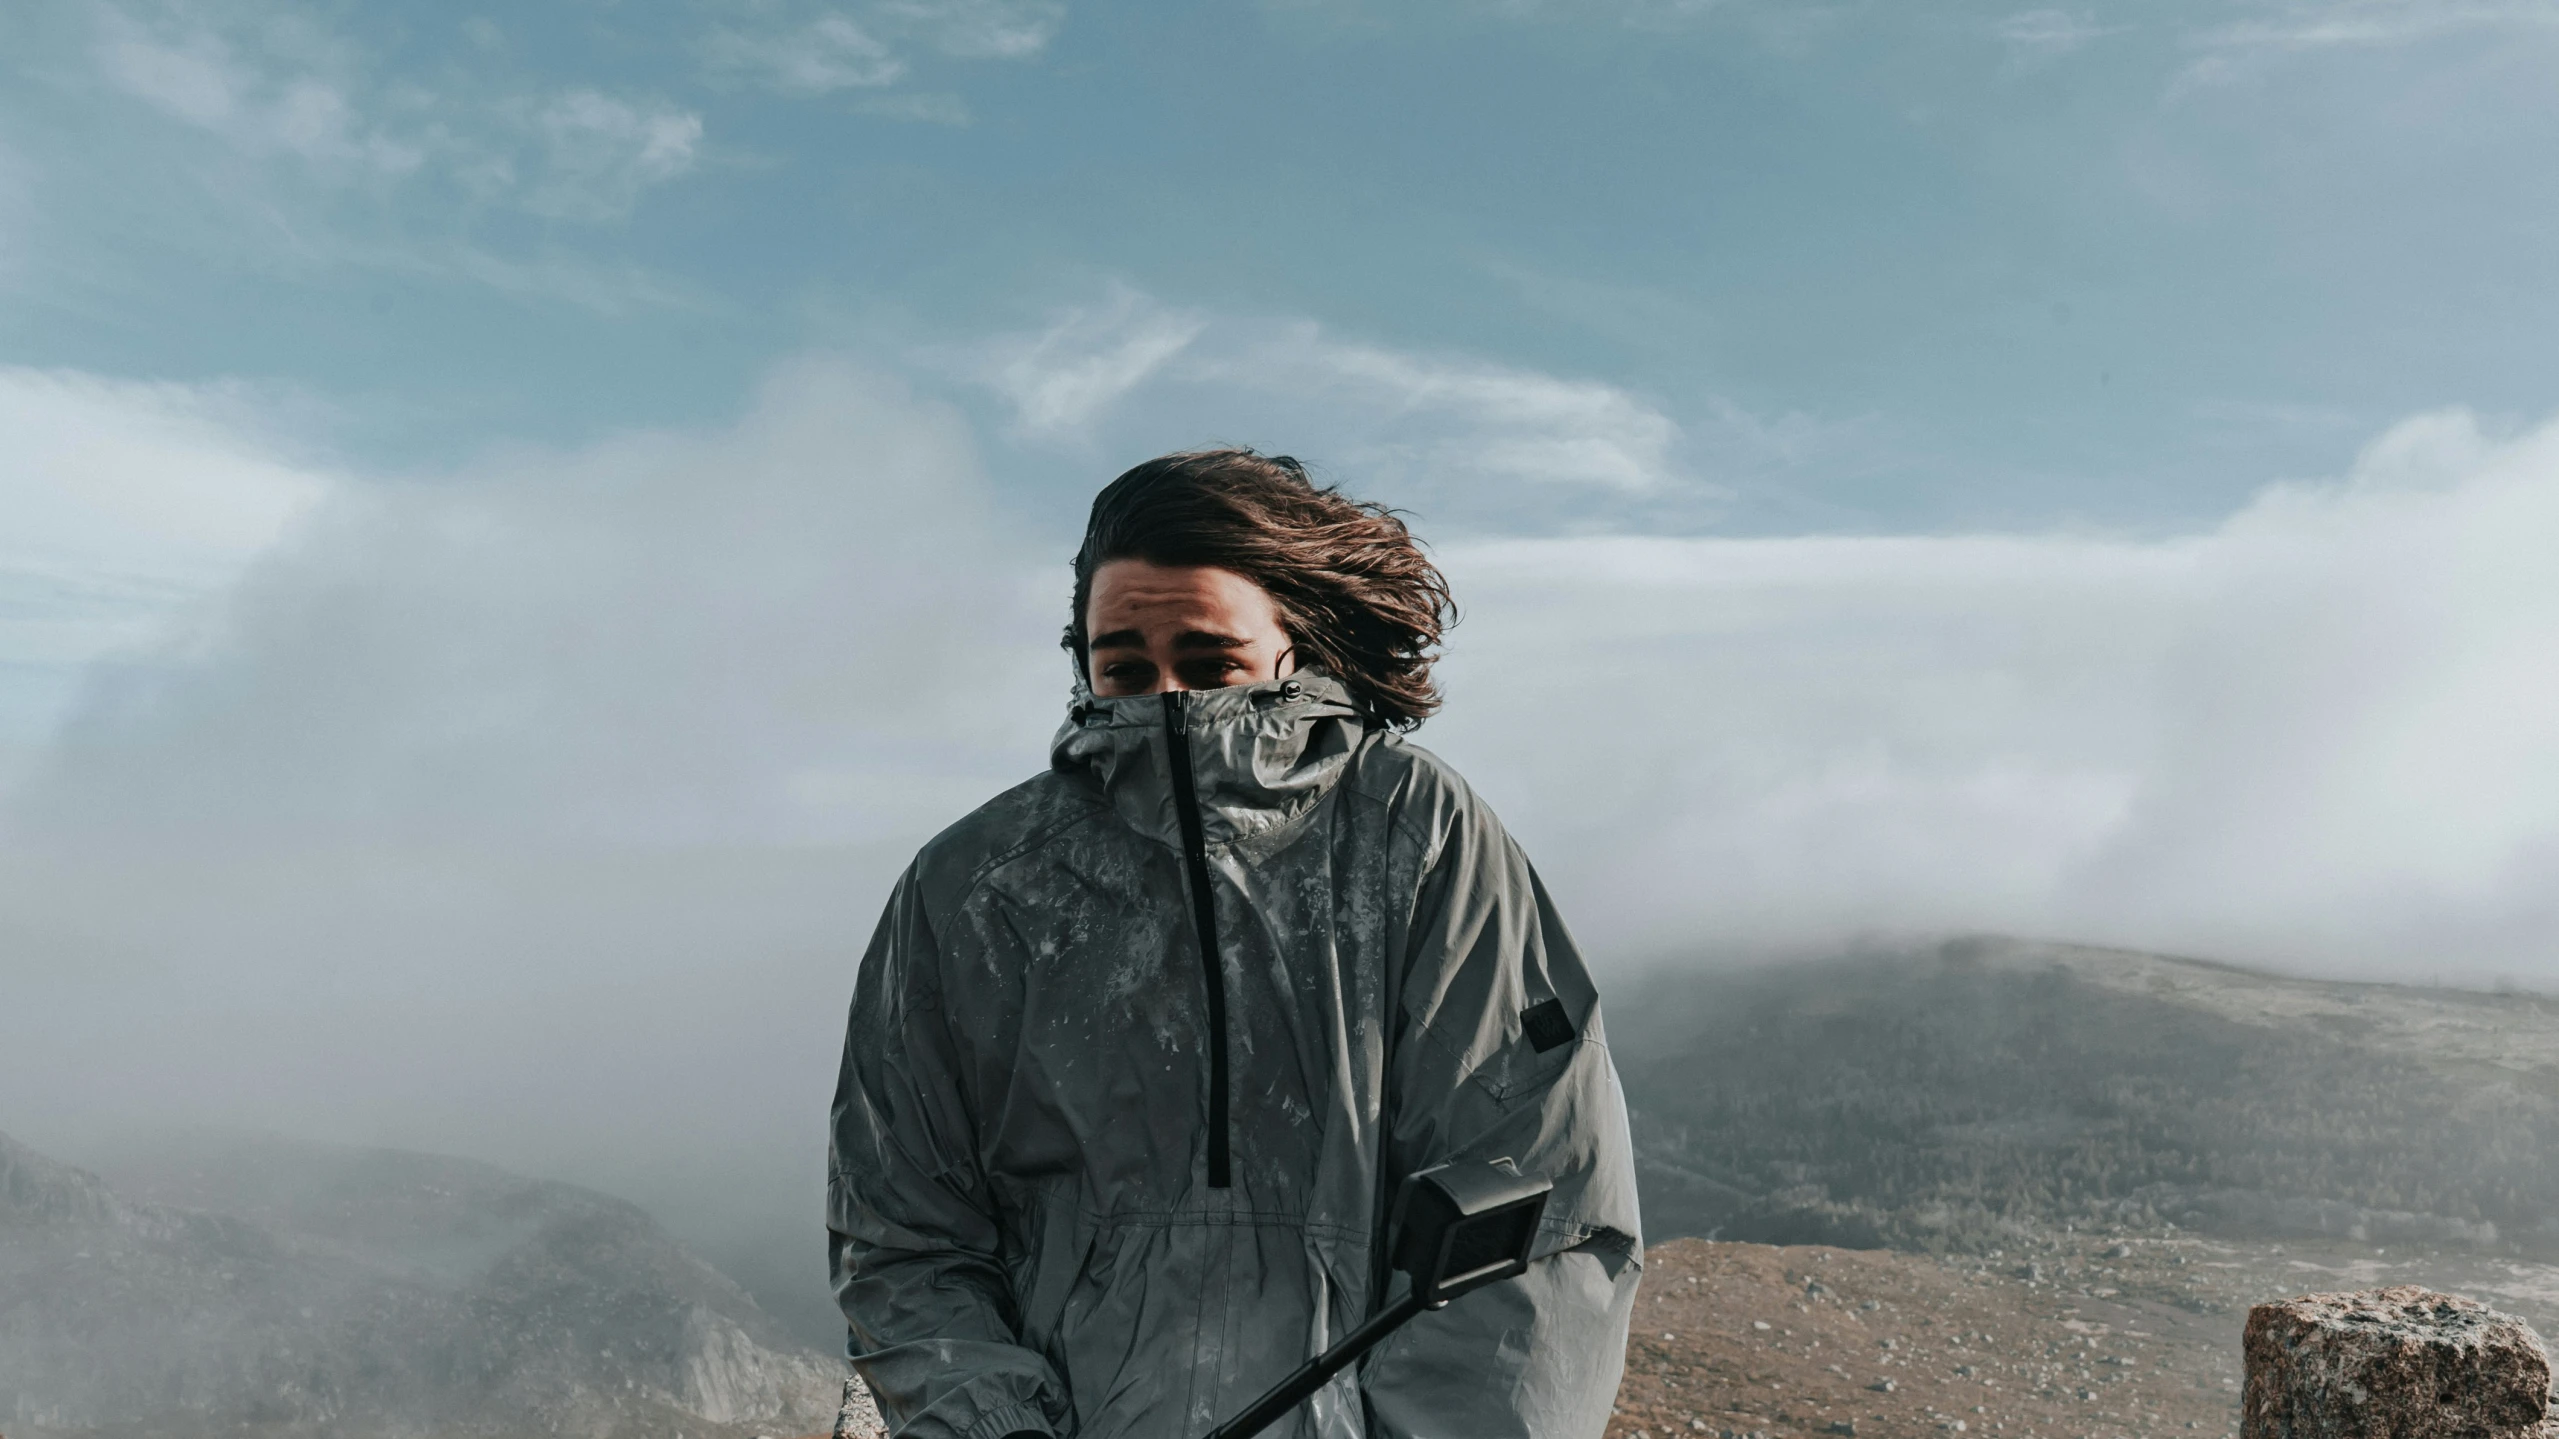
1181	627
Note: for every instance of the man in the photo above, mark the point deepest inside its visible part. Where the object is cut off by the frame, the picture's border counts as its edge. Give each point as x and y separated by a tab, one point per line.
1142	1048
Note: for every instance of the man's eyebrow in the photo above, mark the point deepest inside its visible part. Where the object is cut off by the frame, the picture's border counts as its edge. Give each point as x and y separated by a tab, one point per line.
1186	640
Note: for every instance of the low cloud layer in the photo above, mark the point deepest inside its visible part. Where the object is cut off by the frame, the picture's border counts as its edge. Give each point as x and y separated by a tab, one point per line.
762	636
130	507
537	813
541	811
2316	736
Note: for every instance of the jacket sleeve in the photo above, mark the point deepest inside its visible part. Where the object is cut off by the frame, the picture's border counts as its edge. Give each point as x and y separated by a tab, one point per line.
912	1228
1502	1054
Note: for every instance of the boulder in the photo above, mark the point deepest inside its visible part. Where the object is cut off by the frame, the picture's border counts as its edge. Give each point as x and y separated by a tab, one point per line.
2399	1363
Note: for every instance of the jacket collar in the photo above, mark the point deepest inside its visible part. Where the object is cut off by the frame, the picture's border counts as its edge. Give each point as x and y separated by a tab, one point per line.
1261	754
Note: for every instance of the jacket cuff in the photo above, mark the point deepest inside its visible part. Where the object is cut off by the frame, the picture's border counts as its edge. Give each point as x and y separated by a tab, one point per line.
1010	1420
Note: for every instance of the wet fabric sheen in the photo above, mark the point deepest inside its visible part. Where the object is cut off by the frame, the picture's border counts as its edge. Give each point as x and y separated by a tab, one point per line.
1024	1228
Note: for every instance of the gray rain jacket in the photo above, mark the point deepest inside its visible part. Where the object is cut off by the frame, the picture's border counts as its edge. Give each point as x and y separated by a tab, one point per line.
1140	1052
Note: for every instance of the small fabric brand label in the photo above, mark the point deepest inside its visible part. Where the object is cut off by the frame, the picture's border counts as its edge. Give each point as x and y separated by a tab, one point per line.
1546	1025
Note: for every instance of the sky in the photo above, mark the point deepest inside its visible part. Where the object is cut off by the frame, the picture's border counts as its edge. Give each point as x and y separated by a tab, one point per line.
514	525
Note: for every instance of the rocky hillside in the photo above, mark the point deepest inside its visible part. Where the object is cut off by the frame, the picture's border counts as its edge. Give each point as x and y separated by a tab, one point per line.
1967	1098
287	1289
2031	1190
1743	1340
2106	1335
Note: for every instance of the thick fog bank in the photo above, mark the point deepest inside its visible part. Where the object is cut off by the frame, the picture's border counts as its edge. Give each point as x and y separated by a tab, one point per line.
540	812
2316	737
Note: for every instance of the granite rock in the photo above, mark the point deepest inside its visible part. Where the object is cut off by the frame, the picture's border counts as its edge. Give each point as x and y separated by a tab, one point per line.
2400	1363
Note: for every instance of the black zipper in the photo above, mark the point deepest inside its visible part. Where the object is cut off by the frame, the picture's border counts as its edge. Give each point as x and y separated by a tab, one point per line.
1186	806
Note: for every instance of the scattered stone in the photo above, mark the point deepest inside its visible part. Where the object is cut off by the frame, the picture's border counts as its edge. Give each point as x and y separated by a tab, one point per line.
2397	1363
2026	1348
857	1417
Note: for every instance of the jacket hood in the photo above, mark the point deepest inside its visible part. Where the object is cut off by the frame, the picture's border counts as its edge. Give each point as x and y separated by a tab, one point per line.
1261	754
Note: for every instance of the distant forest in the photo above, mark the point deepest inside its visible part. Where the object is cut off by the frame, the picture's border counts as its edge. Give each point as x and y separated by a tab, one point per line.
1957	1101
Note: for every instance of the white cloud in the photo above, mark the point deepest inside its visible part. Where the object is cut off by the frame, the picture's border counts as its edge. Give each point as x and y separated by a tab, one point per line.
132	502
1789	27
2372	23
979	29
2316	732
564	788
128	507
829	52
536	810
1370	407
1743	742
1063	378
195	81
601	152
2033	36
1641	14
529	648
263	103
2316	735
804	49
1491	420
277	89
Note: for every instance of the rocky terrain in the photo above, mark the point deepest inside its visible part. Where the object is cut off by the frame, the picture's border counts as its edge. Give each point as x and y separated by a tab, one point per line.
2081	1335
1744	1339
1967	1098
2033	1189
274	1289
1992	1188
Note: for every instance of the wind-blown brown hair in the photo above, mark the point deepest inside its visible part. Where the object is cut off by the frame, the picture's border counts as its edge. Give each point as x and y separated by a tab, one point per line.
1358	598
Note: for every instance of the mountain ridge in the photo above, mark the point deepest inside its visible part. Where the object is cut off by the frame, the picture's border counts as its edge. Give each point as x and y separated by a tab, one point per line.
374	1293
1958	1097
